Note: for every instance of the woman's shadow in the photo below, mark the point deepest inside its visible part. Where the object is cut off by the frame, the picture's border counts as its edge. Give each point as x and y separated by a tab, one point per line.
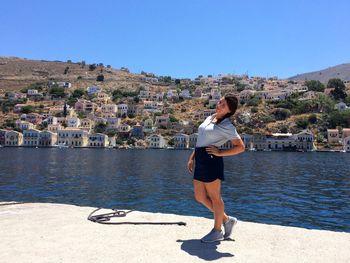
206	251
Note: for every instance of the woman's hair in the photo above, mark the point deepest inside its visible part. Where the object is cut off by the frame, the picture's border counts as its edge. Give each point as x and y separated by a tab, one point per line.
232	103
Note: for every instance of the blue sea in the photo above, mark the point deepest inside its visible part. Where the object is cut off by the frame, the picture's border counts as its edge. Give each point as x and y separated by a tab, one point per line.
310	190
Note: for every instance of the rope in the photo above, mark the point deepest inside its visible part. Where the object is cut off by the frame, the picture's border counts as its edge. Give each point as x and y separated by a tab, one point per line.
105	219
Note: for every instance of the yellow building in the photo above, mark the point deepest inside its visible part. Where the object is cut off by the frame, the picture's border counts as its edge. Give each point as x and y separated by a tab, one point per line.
13	138
73	137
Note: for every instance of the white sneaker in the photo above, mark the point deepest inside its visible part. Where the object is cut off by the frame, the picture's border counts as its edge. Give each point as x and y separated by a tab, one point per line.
213	236
228	226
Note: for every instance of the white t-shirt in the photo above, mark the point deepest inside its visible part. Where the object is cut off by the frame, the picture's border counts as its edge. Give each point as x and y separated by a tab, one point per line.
210	133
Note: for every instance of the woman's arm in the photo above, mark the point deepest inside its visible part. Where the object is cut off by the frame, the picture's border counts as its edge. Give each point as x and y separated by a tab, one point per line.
190	162
238	148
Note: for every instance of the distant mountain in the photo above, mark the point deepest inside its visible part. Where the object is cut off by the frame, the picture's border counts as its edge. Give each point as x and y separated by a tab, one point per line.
341	71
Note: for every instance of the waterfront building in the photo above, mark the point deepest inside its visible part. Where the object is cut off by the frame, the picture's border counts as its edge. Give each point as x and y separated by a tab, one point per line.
31	138
346	144
258	142
73	137
98	140
156	141
192	140
47	139
13	138
226	145
3	136
247	139
305	141
280	142
333	135
181	141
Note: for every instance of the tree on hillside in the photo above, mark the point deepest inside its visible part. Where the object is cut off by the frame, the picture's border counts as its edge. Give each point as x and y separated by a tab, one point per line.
315	85
78	93
57	92
66	70
302	122
339	118
339	88
92	67
100	77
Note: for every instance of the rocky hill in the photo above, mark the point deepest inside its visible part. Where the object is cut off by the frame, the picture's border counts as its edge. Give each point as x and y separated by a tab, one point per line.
17	73
340	71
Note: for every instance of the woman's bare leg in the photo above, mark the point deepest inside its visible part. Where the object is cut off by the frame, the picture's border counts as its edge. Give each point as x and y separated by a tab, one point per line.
201	196
213	190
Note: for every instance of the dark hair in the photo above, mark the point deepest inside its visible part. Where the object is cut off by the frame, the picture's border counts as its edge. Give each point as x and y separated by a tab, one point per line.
232	103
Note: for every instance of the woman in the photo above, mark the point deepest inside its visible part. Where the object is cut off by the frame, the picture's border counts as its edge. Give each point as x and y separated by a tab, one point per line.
209	167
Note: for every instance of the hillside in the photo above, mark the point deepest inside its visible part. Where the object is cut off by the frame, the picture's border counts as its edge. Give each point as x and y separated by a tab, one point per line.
17	73
340	71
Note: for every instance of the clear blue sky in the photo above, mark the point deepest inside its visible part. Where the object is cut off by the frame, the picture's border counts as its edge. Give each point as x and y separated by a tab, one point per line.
182	38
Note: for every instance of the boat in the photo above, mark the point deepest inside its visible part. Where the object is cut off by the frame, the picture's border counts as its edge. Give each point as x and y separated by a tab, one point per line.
60	146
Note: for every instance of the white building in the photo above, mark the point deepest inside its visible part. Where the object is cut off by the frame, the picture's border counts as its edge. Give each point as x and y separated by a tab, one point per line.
51	120
73	122
148	126
93	90
181	141
113	123
185	94
156	141
54	127
24	125
333	135
305	141
215	94
162	121
98	140
73	137
340	106
152	106
122	110
110	109
280	142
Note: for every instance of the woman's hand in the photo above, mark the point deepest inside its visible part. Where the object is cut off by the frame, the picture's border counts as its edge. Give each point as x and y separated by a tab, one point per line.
213	150
190	165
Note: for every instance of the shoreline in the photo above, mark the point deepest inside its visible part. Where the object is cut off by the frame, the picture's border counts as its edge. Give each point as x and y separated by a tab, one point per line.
171	149
47	232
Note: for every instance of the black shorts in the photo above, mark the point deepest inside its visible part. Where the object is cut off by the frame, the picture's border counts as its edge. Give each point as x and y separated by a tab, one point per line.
208	167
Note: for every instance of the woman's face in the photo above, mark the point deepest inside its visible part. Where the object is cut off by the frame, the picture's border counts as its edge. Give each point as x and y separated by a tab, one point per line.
222	108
